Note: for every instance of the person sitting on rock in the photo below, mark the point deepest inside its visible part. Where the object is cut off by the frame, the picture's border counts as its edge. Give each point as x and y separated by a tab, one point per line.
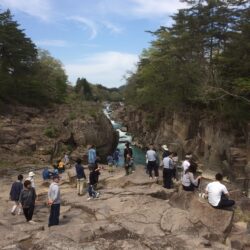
189	183
61	167
15	191
92	183
46	174
218	195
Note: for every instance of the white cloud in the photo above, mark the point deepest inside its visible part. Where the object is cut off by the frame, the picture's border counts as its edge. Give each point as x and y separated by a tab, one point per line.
106	68
52	43
86	23
112	27
140	9
38	8
152	8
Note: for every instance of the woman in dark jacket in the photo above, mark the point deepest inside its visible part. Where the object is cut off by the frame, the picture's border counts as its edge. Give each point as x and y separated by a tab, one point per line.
27	199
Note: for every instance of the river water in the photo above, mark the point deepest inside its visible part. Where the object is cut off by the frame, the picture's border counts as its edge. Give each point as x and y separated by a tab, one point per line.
138	153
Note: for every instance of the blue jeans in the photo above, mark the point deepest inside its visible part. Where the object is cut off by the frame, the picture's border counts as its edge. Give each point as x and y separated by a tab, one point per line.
92	192
54	215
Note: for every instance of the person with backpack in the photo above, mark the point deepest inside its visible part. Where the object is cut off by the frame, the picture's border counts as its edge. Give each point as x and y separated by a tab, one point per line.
27	199
128	159
80	176
15	192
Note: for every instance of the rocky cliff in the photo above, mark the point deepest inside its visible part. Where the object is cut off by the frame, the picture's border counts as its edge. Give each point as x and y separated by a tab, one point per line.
217	144
33	136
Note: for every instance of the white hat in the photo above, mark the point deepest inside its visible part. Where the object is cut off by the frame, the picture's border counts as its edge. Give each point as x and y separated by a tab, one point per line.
188	156
165	147
31	174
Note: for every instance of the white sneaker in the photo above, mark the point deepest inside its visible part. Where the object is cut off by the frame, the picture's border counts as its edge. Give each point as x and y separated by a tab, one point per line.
90	198
97	195
32	222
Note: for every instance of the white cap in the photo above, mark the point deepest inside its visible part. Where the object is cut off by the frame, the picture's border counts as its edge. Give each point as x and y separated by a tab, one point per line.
31	174
165	147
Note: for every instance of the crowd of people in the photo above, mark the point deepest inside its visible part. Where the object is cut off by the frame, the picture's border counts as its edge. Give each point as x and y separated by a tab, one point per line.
23	193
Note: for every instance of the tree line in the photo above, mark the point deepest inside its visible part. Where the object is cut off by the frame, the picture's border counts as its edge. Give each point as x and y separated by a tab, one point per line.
28	75
202	62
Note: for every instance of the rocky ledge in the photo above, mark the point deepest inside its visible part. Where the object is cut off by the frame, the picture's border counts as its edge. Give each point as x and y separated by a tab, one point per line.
34	136
132	212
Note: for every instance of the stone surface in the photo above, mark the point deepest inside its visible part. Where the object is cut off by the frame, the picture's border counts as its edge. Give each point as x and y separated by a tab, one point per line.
132	212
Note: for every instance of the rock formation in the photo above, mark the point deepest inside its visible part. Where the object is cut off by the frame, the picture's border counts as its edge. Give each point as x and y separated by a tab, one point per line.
218	145
33	136
132	213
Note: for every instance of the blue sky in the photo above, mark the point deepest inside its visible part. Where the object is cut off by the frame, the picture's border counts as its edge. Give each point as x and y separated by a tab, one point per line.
100	40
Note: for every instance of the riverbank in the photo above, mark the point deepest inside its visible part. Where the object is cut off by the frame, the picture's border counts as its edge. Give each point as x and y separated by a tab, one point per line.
133	212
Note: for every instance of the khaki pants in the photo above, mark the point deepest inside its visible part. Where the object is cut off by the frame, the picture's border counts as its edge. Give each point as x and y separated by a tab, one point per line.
80	186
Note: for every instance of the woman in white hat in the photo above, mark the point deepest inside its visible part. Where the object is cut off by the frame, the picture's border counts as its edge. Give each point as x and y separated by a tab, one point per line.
166	152
31	179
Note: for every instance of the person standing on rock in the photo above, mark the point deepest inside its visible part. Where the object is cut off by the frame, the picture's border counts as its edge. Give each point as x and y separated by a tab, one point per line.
168	167
27	199
80	176
110	162
116	157
189	183
93	179
128	159
15	192
218	195
152	162
166	152
92	157
54	201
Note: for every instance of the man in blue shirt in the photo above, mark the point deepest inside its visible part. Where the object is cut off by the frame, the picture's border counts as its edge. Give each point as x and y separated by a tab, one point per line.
91	156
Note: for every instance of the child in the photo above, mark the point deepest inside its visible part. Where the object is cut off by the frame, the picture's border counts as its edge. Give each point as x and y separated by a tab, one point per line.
110	161
93	177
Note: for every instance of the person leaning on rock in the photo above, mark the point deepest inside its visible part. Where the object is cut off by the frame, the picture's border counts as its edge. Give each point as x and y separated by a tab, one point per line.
218	195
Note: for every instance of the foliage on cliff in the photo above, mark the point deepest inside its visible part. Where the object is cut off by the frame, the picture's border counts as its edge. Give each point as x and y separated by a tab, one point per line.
97	92
28	75
202	61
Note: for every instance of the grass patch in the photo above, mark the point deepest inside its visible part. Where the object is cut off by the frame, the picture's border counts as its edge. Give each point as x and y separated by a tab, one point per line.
51	132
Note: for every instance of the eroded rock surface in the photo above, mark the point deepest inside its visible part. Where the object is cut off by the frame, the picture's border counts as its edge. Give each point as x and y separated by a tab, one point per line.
132	212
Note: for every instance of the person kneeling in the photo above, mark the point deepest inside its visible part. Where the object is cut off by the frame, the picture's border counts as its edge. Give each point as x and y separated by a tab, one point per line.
218	195
189	183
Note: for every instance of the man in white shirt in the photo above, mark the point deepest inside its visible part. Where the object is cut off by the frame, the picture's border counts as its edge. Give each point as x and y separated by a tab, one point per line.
218	194
152	164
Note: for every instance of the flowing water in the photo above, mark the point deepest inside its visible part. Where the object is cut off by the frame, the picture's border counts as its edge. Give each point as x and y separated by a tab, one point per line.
138	153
